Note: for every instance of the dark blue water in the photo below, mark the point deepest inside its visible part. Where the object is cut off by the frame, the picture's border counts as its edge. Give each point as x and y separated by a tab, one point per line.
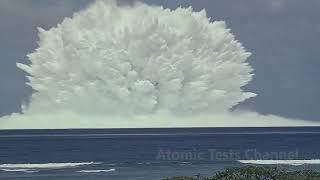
148	153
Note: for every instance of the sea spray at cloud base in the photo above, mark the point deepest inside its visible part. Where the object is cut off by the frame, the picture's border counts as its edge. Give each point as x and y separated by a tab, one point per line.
137	66
65	119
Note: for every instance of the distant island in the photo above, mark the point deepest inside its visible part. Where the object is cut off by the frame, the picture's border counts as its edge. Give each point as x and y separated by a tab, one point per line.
255	173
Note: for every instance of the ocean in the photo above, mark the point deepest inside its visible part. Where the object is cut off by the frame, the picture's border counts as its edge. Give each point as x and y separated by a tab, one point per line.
151	154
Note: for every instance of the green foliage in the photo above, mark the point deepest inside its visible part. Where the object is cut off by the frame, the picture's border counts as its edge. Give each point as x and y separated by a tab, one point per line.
256	173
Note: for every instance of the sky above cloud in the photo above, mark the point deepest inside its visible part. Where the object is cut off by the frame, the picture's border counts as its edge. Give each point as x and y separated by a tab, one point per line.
282	35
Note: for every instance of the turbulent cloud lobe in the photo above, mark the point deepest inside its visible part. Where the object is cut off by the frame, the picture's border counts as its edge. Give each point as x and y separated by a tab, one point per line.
111	59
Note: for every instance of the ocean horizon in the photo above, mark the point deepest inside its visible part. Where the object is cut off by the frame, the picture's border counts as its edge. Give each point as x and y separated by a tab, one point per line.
152	153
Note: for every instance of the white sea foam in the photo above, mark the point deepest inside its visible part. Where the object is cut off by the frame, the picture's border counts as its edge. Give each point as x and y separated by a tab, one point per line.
97	170
45	166
281	162
20	170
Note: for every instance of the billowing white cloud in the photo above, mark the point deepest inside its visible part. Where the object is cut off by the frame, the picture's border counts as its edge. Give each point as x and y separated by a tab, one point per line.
137	66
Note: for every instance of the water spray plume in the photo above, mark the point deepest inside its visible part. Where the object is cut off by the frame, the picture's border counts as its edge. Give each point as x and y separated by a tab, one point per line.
135	61
111	59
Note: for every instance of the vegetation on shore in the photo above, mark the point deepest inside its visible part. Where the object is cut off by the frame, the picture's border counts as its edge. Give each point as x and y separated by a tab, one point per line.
255	173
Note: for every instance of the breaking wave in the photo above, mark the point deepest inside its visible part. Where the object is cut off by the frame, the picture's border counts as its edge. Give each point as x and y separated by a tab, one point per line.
97	171
281	162
20	170
12	167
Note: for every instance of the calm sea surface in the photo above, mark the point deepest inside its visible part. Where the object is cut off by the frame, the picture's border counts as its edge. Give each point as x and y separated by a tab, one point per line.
149	154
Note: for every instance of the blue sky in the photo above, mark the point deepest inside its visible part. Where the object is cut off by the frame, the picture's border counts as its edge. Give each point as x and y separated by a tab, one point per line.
283	36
